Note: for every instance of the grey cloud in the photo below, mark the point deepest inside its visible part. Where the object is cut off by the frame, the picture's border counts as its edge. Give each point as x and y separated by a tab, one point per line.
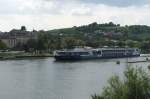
119	3
60	6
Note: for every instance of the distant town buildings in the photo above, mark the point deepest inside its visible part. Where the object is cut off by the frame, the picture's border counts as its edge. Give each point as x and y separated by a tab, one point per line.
109	34
20	36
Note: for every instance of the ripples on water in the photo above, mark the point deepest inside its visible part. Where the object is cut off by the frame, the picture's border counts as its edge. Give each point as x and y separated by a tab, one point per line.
47	79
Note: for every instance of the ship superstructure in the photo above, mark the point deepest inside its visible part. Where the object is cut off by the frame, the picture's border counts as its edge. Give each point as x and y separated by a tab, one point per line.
90	53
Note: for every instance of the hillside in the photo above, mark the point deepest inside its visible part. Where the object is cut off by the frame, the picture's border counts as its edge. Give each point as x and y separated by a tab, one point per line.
134	32
93	35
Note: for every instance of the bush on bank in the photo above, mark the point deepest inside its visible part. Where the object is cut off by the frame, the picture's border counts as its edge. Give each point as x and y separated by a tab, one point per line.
134	85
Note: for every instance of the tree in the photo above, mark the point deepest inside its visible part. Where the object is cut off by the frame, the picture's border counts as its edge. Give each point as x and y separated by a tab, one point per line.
145	46
135	85
69	43
111	24
42	42
31	45
23	28
2	45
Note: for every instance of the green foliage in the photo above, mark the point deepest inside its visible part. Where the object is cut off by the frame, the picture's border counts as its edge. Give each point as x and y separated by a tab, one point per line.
39	44
42	42
135	34
93	35
31	44
145	46
2	45
70	42
135	85
149	67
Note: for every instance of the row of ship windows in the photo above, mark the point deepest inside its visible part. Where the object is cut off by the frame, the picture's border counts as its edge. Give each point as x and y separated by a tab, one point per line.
73	53
117	54
94	52
117	51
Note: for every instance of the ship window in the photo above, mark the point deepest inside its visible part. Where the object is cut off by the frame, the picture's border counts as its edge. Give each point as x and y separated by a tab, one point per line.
96	52
83	53
99	52
61	53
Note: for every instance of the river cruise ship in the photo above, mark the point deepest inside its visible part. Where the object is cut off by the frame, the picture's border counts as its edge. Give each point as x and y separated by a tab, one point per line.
98	53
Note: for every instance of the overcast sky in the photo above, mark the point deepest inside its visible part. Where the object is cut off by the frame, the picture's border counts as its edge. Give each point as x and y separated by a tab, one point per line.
52	14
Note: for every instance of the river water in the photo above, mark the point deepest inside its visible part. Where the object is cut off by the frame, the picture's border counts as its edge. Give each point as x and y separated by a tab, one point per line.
47	79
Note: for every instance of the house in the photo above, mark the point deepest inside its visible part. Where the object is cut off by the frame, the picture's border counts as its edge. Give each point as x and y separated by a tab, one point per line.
14	37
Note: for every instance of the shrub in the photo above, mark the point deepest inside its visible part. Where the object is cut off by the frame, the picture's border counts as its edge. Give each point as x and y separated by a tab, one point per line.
134	85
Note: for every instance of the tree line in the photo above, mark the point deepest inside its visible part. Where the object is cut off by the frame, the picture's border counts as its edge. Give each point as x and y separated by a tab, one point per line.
89	35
